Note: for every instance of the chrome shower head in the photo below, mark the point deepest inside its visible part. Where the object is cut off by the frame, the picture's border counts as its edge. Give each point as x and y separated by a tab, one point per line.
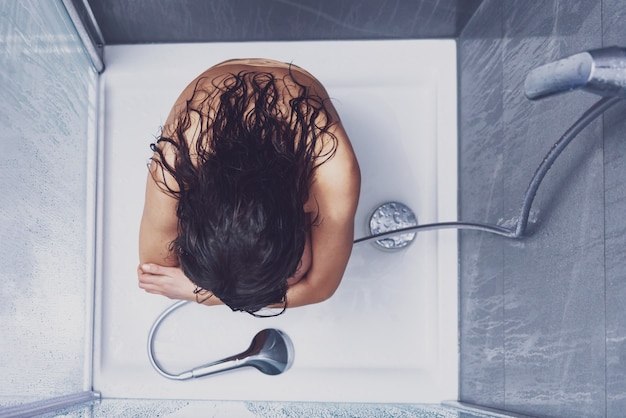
270	352
600	71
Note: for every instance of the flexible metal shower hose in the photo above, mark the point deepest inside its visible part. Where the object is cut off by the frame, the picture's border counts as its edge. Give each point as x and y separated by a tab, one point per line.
522	223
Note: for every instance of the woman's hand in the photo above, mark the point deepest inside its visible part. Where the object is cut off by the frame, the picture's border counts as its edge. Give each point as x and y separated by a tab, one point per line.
167	281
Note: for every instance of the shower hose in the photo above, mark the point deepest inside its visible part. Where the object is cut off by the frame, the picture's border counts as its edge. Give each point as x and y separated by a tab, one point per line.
516	232
522	222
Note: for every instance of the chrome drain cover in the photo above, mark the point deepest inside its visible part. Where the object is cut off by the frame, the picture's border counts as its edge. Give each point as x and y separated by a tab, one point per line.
389	217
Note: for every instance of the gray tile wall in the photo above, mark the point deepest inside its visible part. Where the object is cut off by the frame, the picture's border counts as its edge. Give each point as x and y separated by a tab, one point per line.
614	33
543	329
145	21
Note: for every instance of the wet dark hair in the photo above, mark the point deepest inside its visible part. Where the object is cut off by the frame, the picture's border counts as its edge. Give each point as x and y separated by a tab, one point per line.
242	181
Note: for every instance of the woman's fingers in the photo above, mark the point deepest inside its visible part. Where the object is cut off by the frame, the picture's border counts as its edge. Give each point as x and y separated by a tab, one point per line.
157	269
150	283
166	281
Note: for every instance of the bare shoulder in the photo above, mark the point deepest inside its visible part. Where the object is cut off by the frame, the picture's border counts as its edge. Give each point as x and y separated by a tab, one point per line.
337	182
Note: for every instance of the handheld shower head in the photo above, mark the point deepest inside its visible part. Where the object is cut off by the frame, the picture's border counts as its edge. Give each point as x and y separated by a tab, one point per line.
600	71
271	352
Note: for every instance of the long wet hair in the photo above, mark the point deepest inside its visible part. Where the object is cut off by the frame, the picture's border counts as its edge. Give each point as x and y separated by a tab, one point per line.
242	182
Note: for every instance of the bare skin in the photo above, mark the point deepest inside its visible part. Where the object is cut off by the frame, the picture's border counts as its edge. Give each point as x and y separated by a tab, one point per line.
334	193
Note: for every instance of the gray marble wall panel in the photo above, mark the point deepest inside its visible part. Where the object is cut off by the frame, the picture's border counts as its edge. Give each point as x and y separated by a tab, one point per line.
553	287
145	21
554	279
481	254
614	32
615	208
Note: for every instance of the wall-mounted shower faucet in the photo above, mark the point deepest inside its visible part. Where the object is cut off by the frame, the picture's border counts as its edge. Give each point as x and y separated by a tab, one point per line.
600	71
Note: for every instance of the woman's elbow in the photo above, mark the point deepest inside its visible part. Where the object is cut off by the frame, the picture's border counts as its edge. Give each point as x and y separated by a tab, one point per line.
322	294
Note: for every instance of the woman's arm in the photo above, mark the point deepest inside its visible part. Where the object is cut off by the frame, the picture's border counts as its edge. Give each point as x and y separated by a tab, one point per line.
335	190
159	223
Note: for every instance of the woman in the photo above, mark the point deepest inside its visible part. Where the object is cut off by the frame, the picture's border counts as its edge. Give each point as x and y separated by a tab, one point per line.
252	191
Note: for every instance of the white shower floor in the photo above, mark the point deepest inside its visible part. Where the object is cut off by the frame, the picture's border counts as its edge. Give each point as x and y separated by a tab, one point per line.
389	334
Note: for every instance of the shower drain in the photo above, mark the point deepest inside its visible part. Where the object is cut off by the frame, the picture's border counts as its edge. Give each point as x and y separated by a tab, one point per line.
389	217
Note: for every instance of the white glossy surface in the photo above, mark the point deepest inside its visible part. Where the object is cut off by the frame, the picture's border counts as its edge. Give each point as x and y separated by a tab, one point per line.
389	334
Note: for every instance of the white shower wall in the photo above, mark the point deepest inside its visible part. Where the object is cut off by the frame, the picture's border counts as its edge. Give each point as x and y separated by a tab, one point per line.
390	332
